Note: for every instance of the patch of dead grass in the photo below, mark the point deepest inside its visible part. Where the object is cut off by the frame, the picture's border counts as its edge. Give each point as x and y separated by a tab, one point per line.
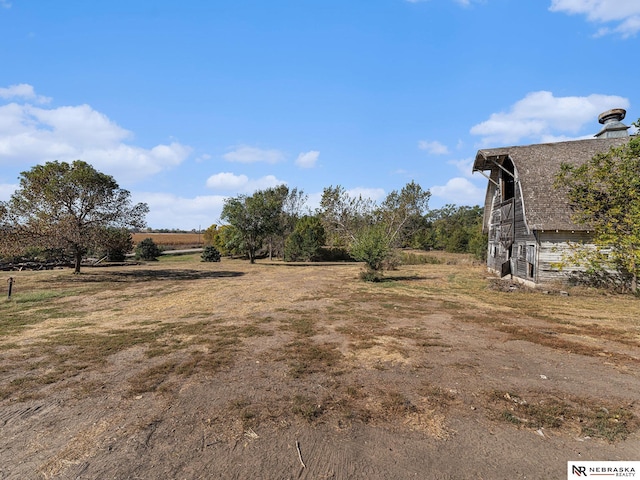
588	417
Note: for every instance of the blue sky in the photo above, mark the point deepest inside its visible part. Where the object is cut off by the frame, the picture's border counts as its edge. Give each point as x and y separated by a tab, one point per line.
188	103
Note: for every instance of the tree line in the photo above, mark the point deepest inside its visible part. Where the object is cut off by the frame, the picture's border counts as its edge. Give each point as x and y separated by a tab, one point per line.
66	211
275	222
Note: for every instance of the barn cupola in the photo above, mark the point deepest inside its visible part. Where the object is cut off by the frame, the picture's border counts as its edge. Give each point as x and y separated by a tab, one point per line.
612	124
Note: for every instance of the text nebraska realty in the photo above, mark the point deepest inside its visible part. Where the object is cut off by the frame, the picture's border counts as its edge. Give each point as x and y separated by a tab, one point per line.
604	471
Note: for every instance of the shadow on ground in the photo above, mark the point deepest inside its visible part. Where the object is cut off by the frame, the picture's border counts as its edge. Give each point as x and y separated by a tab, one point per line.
143	275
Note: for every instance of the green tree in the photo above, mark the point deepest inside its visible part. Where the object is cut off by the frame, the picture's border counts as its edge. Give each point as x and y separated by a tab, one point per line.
210	254
148	250
372	247
604	194
370	231
344	216
228	240
116	243
256	218
401	213
455	229
210	235
306	240
284	207
67	206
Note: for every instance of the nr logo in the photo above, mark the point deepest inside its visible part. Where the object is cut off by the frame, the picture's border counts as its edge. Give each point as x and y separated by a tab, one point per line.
579	471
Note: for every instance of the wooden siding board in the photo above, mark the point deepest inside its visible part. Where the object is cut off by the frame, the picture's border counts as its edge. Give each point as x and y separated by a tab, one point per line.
553	245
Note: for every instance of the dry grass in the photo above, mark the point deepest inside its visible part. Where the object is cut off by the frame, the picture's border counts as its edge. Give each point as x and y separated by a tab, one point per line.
318	327
171	241
588	418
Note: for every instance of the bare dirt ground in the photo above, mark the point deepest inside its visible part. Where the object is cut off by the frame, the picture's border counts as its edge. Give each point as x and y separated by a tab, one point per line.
187	370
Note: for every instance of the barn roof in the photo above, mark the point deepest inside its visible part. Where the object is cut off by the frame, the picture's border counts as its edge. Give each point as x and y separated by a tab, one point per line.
545	207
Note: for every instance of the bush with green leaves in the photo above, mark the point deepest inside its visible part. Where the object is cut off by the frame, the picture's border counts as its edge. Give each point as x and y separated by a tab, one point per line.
306	241
372	247
210	254
147	250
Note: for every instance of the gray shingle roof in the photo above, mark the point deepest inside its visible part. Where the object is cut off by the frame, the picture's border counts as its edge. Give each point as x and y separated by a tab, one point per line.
546	208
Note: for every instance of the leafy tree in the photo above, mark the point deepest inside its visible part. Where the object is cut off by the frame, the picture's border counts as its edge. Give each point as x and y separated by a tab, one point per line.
454	229
211	235
228	241
370	231
306	241
148	250
283	206
259	218
116	243
210	254
372	247
604	194
67	206
401	213
245	214
343	215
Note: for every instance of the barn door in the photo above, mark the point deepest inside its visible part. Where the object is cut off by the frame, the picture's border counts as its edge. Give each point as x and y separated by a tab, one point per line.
505	269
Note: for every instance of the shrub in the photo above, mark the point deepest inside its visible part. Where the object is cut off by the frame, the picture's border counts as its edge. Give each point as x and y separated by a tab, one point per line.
147	250
371	247
210	254
306	241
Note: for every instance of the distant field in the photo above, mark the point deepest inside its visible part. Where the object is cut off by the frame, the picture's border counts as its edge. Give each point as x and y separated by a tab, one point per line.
171	240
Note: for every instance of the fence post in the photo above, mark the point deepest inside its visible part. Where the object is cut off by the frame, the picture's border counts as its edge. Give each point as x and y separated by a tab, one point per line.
10	287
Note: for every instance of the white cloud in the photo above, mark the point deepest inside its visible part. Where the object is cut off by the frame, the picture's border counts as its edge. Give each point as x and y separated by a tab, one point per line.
464	166
459	191
375	194
308	159
227	181
30	134
231	182
540	115
247	154
433	147
171	211
22	90
625	13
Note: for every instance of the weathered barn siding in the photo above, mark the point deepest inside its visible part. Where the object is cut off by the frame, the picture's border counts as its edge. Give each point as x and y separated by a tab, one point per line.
509	239
552	247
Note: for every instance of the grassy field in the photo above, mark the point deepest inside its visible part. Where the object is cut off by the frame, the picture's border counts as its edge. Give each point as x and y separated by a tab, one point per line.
313	343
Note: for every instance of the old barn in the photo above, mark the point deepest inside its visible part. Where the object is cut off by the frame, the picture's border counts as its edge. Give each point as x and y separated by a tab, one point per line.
528	220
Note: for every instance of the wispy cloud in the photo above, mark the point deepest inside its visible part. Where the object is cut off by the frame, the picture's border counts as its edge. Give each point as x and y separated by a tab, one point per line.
22	91
308	159
433	147
174	211
5	4
540	116
247	154
230	182
623	14
375	194
459	191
